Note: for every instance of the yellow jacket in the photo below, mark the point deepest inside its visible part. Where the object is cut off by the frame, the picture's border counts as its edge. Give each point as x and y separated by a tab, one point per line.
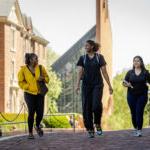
28	82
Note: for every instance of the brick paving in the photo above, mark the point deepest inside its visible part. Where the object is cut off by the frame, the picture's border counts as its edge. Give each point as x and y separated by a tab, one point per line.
111	140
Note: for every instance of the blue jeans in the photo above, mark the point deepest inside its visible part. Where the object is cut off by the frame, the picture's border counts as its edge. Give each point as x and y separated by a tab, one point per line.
137	104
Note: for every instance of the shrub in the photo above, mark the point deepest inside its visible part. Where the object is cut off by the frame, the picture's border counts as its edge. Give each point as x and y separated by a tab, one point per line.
56	122
11	127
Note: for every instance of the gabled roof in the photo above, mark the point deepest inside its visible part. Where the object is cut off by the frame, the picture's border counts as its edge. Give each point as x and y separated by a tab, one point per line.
62	61
5	7
26	21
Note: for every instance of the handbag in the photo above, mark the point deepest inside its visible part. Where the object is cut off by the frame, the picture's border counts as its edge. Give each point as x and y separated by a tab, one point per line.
42	86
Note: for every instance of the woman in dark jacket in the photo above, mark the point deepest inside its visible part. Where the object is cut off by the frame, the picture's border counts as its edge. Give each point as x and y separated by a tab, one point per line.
136	81
89	70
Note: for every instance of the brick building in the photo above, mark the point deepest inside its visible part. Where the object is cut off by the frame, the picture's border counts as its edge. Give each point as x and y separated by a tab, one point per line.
17	36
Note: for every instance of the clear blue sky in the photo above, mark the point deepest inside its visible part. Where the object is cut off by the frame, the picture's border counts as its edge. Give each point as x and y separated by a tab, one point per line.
63	22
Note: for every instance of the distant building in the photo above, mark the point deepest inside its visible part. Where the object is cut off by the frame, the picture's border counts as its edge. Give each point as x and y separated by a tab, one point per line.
66	69
17	36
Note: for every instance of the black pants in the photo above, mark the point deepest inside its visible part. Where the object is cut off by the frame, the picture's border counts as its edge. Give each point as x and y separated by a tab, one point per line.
92	105
35	104
137	104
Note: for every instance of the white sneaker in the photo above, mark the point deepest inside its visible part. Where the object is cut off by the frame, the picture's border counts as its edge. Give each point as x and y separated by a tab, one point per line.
138	133
99	132
135	132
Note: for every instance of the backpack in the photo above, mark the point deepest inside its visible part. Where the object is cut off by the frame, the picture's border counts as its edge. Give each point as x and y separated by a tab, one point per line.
97	58
84	61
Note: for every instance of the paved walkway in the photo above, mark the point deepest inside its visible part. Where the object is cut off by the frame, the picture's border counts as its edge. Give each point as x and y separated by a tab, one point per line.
112	140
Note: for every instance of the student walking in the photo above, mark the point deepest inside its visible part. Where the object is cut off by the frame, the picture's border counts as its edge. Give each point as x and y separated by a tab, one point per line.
28	79
90	67
136	81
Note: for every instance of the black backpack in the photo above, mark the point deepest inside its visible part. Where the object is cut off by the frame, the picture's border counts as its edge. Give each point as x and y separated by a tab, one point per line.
97	58
84	61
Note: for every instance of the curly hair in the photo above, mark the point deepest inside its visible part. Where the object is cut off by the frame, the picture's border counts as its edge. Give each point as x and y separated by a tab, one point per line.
94	44
28	57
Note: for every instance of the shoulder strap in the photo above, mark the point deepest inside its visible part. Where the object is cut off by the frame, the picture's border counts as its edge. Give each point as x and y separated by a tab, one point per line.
30	71
97	57
84	59
40	66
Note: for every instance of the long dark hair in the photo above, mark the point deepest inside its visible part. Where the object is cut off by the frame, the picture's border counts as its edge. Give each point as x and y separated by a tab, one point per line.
142	63
28	57
94	44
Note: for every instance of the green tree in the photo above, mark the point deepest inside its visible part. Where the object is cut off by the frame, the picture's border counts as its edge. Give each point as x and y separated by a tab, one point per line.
51	56
120	118
55	84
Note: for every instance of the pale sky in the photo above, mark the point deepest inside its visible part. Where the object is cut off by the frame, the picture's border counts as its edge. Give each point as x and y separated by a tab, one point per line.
63	22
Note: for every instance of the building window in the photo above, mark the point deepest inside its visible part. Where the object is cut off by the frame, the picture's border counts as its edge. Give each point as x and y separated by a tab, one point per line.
33	46
13	30
39	49
24	44
24	48
27	46
12	70
44	52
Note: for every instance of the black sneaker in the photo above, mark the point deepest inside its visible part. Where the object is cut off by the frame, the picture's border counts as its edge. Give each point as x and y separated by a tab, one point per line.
138	133
30	136
91	134
39	131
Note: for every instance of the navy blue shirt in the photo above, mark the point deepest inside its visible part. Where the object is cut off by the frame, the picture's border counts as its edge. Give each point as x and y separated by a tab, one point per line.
138	82
92	75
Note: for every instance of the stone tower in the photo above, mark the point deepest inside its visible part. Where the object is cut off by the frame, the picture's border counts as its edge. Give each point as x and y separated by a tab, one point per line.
104	37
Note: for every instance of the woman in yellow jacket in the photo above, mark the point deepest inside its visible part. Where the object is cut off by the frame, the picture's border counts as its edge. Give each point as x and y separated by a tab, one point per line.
28	78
